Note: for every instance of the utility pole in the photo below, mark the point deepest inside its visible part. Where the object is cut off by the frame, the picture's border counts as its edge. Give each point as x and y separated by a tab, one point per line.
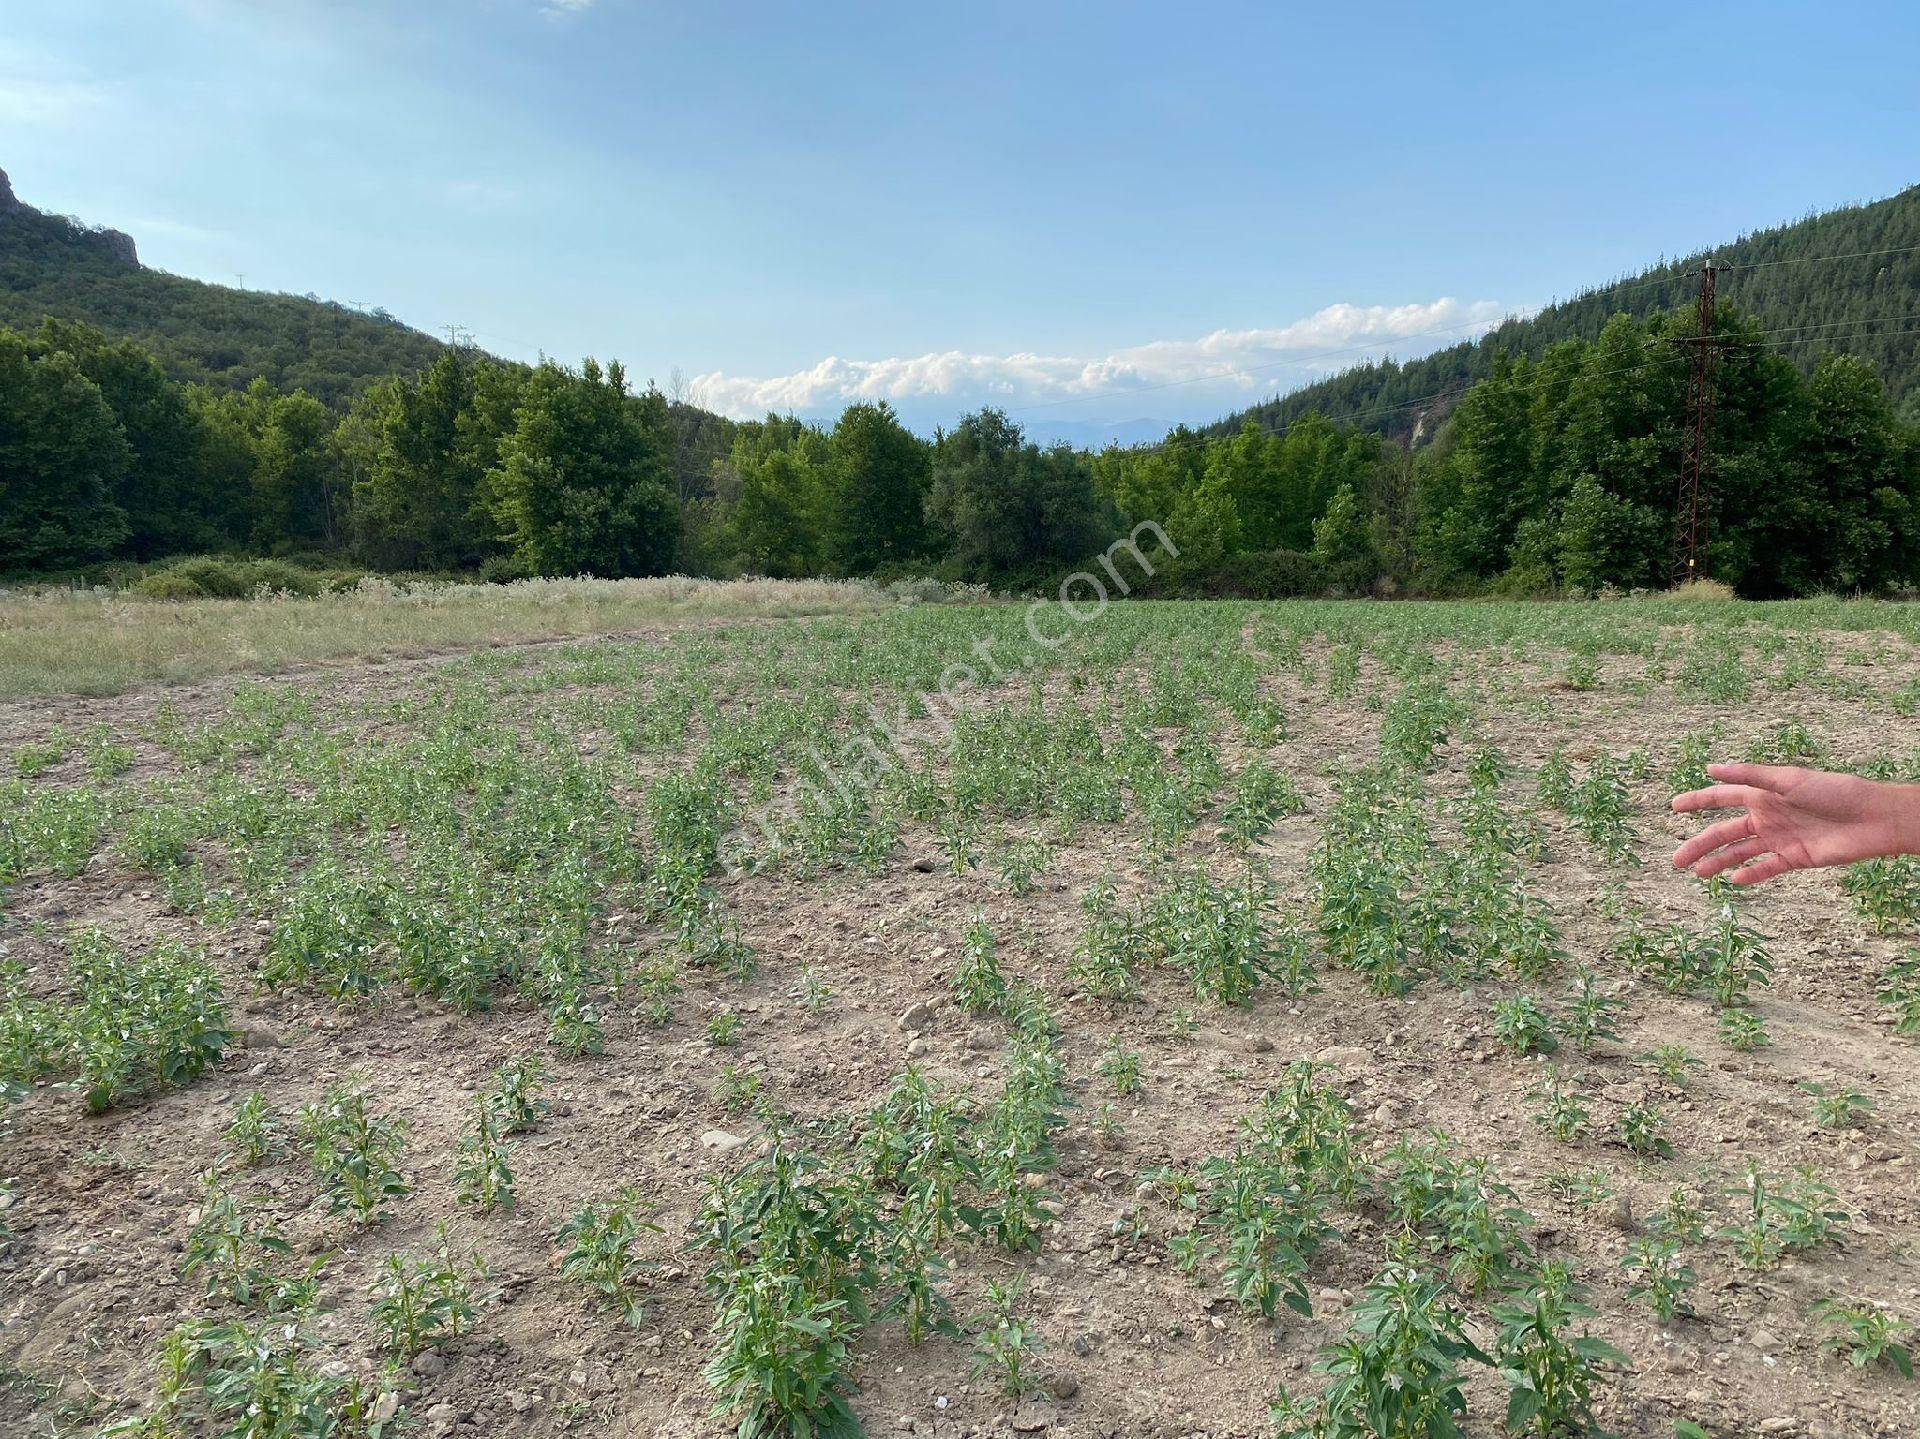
1693	512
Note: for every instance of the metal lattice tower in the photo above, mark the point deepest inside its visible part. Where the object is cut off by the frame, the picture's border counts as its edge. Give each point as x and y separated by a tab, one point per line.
1693	512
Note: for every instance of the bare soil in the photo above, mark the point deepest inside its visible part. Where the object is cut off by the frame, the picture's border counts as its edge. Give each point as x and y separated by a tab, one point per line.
89	1280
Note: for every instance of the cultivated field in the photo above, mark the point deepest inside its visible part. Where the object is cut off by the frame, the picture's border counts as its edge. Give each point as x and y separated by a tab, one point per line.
101	641
1176	1006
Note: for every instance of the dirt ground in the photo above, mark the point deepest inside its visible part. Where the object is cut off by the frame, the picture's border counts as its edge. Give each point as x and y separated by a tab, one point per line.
90	1282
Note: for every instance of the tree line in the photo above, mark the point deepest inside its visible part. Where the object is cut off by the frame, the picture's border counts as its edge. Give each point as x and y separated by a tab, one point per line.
1561	472
470	463
1553	474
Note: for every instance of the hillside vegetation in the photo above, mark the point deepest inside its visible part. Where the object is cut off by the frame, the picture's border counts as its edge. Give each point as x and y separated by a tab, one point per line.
55	267
1822	283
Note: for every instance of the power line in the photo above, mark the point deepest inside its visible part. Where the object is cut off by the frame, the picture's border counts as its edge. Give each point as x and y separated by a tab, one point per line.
1678	278
1816	259
1782	344
1803	330
1657	344
1276	431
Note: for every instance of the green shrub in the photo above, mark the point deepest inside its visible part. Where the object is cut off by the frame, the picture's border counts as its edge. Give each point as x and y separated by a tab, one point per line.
281	577
1269	575
216	579
168	585
504	570
225	578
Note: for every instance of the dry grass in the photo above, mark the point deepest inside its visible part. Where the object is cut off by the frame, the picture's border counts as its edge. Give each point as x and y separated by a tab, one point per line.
102	642
1695	592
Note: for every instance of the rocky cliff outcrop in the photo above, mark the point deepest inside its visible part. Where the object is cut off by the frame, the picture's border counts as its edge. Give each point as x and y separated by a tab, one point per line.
119	244
116	245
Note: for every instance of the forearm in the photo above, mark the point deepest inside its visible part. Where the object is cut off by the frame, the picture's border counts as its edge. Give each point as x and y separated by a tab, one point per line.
1895	825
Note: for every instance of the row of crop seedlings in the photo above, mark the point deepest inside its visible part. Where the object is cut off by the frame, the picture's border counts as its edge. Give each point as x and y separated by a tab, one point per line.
274	790
1251	1223
474	861
1005	759
1886	893
844	1225
57	829
1393	903
1712	664
803	1250
1005	764
255	1366
128	1025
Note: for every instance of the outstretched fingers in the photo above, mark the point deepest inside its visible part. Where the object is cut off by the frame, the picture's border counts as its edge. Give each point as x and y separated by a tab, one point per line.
1728	831
1717	796
1734	854
1735	847
1774	778
1761	870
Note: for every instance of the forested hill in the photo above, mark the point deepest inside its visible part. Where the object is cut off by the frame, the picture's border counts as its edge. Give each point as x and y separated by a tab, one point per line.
51	265
1865	304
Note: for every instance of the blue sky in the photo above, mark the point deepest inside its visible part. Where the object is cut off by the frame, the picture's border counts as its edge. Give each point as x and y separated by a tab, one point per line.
1085	213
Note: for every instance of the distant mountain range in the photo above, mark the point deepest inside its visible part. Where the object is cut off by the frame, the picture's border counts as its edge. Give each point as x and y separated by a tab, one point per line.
1092	434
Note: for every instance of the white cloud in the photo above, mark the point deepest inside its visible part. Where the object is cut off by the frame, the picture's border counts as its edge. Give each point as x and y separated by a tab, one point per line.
557	9
1241	363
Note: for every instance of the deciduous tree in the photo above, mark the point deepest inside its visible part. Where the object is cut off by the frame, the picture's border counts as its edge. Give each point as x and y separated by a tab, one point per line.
584	484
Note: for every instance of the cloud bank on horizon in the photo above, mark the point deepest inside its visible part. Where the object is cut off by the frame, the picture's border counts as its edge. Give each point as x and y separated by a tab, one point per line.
1223	369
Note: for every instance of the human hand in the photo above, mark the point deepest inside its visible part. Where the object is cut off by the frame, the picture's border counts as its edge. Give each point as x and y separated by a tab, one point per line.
1795	819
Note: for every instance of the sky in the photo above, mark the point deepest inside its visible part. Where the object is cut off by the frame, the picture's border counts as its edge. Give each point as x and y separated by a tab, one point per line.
1102	218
